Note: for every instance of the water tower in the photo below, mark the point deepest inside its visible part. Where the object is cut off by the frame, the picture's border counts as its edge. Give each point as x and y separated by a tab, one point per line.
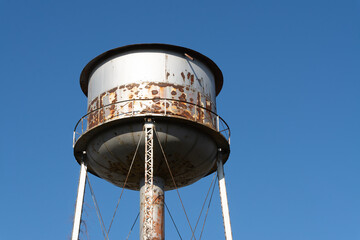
151	125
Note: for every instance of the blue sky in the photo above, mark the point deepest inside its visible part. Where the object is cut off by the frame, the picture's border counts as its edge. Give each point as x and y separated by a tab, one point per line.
290	95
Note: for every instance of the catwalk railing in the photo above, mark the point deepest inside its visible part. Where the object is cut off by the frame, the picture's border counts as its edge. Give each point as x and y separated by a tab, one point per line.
153	107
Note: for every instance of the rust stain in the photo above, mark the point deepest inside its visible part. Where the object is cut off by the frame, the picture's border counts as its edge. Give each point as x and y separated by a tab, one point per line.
93	105
153	91
163	84
208	113
163	92
208	105
182	97
182	105
198	99
187	115
200	111
113	90
111	98
167	75
183	76
93	120
132	85
192	79
156	107
158	217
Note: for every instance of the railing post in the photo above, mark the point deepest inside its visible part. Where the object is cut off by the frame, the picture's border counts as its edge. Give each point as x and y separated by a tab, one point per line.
217	123
132	107
98	117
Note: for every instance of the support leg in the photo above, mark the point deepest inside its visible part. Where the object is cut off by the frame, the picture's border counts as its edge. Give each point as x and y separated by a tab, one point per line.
79	202
223	197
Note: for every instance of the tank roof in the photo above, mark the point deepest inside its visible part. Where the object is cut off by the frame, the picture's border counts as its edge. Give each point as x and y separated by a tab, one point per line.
88	69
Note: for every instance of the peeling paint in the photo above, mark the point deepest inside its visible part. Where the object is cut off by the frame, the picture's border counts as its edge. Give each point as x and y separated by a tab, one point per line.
125	100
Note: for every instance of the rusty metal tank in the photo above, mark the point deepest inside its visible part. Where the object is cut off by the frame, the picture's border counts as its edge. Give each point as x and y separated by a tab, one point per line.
176	88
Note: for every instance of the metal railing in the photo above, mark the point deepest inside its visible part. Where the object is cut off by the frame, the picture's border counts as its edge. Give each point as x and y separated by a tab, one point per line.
155	107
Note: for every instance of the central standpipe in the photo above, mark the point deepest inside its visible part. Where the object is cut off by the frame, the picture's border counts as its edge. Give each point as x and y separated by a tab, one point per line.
157	229
151	193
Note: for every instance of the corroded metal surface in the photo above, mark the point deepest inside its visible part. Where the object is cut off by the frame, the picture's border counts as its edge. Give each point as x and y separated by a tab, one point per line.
165	107
158	81
151	107
191	104
157	214
151	75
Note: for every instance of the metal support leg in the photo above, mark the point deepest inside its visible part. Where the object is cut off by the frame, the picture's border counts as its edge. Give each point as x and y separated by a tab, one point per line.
79	202
223	197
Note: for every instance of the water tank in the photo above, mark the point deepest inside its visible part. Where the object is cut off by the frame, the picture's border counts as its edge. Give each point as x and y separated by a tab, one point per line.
172	86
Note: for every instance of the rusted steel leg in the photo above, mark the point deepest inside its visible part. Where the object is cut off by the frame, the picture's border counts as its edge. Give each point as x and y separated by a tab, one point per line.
223	197
79	202
157	231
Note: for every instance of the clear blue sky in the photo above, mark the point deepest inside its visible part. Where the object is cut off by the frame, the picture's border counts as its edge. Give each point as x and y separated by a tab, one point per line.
291	97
